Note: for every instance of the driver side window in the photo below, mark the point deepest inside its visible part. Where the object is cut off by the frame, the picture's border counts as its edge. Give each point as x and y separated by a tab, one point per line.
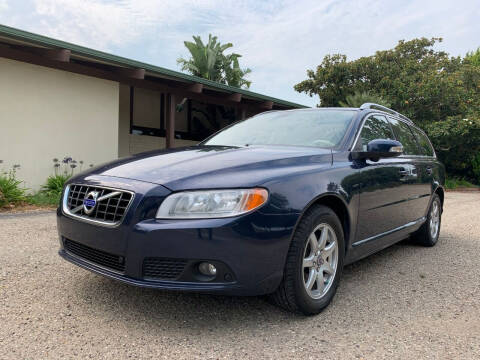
375	127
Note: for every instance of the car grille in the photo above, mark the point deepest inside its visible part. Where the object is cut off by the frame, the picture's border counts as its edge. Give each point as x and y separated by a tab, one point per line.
95	256
163	268
110	210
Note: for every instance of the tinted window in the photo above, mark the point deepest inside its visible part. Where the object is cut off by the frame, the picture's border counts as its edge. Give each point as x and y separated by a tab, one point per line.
319	128
375	127
405	136
423	142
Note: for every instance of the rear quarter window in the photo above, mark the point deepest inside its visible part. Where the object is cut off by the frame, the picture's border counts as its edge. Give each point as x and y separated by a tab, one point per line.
423	142
405	136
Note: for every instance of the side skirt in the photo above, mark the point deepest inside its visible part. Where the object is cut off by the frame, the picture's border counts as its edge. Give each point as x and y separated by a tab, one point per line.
373	244
406	226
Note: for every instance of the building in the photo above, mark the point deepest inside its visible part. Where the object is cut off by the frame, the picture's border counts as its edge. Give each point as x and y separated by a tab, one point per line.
59	99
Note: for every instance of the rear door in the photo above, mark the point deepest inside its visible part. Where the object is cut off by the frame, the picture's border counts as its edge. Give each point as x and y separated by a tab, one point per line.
416	174
383	185
425	164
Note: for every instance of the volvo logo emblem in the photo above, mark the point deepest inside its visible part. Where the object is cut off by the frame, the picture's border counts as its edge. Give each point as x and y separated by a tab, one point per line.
89	202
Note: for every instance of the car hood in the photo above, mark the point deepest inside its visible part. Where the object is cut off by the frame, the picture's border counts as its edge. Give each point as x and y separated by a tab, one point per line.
201	167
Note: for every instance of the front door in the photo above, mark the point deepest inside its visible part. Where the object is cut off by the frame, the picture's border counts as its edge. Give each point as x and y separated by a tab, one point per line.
384	184
384	193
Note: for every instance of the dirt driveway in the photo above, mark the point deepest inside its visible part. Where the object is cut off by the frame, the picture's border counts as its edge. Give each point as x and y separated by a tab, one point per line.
404	302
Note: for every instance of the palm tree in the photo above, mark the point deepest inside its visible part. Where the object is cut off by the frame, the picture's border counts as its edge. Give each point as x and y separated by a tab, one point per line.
359	98
209	62
234	74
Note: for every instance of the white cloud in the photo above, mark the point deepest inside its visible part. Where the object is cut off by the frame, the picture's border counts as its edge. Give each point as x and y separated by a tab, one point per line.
103	24
3	5
278	39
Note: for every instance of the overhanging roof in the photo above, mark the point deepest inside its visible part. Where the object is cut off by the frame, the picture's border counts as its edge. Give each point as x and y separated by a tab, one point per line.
20	40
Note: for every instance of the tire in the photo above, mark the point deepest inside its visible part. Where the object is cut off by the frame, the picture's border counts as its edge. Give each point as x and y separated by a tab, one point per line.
305	262
426	235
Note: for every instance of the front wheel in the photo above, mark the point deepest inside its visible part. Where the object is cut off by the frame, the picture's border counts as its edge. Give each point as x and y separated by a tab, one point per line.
428	234
314	263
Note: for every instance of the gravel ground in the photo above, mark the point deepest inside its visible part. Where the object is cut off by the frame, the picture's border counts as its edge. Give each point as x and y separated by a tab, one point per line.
404	302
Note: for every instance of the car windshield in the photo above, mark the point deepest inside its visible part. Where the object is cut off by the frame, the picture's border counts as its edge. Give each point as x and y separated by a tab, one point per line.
316	128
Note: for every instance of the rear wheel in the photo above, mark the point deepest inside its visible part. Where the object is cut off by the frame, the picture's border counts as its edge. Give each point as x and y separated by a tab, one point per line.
428	234
314	263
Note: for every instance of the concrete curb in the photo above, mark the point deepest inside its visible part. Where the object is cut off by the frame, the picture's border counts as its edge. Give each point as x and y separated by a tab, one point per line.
464	190
6	215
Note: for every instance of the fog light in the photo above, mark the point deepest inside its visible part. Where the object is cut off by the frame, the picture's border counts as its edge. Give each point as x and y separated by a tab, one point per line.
207	269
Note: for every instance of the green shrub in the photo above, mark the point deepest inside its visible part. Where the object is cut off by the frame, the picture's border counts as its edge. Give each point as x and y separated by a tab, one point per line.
11	191
476	167
44	199
457	143
55	183
52	190
454	183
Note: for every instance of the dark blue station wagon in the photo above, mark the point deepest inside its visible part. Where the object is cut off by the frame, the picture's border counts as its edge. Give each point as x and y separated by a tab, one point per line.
276	204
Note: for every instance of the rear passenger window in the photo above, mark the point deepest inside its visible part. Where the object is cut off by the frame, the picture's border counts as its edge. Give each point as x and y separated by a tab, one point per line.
405	136
423	142
375	127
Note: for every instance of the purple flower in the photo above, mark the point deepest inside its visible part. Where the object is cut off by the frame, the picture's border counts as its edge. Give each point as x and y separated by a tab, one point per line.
67	159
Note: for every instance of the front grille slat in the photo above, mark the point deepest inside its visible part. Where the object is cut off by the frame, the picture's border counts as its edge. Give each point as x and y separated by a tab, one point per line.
110	211
118	205
163	268
100	257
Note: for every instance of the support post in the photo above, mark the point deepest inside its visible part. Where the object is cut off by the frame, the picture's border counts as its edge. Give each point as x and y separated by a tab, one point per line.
243	114
170	125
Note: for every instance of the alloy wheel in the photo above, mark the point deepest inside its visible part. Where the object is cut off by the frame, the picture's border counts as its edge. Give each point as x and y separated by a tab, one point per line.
320	261
434	219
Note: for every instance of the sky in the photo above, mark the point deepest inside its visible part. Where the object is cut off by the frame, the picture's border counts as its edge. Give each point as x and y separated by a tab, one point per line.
279	40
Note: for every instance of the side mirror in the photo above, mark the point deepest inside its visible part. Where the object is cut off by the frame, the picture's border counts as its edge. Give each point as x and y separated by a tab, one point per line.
379	148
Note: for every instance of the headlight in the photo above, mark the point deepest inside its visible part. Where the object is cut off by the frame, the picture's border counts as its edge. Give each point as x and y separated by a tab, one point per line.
211	203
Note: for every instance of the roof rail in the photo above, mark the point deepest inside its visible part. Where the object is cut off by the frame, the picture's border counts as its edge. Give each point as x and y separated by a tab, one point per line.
384	108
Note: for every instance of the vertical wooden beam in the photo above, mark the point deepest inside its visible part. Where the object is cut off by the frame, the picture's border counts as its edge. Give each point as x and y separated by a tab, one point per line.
132	91
162	112
170	128
243	114
189	116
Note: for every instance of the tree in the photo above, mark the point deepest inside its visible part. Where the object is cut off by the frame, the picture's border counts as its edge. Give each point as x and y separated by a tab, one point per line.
435	90
473	58
414	78
209	62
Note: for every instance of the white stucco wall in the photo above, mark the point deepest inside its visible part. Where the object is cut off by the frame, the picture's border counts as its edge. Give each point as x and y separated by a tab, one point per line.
47	113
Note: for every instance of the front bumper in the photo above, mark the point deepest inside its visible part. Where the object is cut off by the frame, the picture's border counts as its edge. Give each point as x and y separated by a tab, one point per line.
251	249
166	285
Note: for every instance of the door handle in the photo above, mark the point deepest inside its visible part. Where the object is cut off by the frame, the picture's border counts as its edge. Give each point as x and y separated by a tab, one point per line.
429	170
403	172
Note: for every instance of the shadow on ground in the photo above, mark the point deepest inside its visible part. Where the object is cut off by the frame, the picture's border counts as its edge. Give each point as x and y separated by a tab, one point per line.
200	312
